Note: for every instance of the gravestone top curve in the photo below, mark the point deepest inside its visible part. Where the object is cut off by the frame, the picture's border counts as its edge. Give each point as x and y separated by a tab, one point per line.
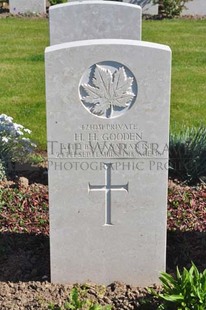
53	7
107	42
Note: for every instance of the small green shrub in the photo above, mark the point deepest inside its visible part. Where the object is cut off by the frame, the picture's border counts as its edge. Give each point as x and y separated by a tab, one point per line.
77	301
2	170
170	8
53	2
185	292
35	158
187	152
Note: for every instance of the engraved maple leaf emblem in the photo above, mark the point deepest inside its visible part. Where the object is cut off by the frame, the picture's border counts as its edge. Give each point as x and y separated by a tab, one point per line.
109	91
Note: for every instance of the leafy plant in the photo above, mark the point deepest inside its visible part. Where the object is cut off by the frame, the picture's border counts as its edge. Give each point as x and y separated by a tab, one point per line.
35	158
2	170
170	8
187	154
15	146
53	2
185	292
77	301
25	211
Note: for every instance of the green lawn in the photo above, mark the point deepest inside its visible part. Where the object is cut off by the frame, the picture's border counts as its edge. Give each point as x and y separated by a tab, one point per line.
22	86
187	39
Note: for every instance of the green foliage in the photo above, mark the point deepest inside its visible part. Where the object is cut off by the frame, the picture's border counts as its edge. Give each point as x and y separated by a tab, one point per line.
3	170
185	292
53	2
77	301
187	154
35	158
24	211
170	8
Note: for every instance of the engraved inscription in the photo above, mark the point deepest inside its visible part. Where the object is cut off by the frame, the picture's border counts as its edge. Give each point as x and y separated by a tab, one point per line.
108	188
109	91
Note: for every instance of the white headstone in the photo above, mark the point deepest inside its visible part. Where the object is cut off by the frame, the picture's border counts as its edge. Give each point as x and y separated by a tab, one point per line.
195	7
147	6
27	6
90	20
108	122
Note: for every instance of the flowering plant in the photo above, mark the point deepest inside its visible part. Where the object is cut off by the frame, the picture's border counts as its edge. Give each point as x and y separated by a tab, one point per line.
15	146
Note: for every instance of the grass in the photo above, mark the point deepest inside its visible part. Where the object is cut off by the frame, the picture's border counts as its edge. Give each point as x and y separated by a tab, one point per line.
22	86
187	41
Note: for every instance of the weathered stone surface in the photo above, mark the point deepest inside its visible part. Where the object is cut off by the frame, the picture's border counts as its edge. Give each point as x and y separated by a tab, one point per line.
88	20
27	6
195	7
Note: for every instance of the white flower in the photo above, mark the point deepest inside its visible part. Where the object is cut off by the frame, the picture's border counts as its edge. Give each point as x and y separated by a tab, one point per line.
17	126
27	130
4	139
19	132
25	139
33	145
15	146
4	117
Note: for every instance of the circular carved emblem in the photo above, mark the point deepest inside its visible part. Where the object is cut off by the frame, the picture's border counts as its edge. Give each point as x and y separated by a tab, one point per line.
108	89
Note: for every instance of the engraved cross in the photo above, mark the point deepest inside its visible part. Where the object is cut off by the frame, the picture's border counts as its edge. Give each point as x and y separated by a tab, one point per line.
108	188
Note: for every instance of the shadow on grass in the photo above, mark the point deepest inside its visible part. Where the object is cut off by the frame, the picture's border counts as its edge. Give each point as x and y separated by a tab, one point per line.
24	257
